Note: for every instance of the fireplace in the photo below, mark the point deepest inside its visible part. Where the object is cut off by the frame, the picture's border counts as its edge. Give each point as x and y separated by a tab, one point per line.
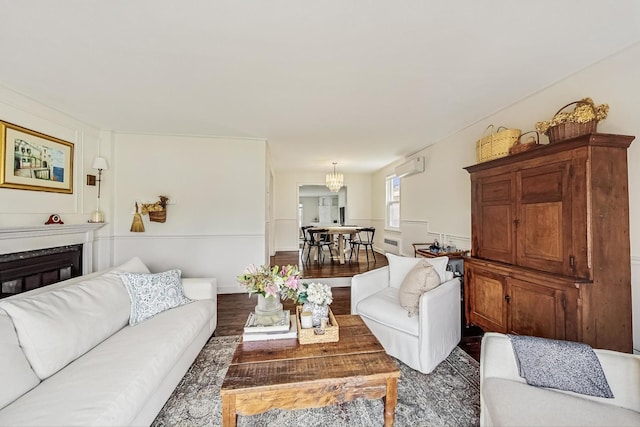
23	271
36	256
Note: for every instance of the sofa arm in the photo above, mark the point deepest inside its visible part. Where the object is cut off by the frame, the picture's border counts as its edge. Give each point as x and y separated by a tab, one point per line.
367	284
622	370
440	323
200	288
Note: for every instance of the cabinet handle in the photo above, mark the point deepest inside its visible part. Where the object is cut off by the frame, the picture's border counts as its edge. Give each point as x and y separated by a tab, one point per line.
516	222
507	298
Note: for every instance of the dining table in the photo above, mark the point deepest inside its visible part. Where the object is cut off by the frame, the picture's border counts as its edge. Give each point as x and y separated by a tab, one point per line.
341	232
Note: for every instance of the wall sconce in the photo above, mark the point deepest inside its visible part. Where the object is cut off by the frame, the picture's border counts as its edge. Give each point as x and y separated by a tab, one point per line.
99	163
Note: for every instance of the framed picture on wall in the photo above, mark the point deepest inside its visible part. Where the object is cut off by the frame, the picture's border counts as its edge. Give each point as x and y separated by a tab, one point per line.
31	160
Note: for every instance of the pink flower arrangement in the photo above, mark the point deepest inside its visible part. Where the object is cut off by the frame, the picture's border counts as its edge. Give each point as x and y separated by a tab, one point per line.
269	281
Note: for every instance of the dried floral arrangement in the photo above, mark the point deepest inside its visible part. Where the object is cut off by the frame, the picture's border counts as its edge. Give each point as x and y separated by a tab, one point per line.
157	211
158	206
584	112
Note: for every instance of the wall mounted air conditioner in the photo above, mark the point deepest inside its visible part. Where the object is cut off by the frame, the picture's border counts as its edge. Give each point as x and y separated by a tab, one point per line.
415	165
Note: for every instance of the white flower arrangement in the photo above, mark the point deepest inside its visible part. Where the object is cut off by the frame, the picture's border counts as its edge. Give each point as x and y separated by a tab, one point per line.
315	293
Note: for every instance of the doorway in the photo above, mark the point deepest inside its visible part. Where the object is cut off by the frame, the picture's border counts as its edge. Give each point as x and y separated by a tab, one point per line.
318	207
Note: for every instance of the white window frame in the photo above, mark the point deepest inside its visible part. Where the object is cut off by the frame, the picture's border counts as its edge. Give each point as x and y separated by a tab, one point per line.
392	201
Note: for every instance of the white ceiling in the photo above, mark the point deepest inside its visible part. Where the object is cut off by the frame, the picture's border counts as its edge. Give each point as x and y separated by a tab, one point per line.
363	83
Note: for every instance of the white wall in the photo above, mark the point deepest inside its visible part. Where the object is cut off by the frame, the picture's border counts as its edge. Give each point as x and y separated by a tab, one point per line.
358	201
438	200
217	217
310	209
27	208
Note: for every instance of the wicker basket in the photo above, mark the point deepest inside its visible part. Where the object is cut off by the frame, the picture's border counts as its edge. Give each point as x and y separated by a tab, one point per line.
569	130
497	144
521	147
158	216
309	336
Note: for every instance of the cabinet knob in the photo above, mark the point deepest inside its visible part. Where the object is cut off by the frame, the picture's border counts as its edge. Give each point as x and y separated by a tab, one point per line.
507	298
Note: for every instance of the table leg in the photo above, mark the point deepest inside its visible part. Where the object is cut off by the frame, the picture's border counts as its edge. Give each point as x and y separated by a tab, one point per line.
229	411
341	247
390	401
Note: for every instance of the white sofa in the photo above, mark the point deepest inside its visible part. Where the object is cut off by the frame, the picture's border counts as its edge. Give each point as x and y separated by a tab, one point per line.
68	356
507	400
422	341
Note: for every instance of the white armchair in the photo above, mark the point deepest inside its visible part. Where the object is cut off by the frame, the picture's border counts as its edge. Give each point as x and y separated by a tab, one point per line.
422	341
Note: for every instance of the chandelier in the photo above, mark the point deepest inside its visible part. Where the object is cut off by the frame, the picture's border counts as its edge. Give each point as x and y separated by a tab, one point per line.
335	180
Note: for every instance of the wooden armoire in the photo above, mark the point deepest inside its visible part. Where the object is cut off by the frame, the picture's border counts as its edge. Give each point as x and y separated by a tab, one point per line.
550	252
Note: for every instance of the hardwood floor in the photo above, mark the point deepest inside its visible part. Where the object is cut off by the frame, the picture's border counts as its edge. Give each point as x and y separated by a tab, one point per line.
233	309
313	269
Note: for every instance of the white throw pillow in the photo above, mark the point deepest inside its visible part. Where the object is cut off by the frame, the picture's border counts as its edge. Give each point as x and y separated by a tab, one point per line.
134	265
151	294
420	279
399	266
56	327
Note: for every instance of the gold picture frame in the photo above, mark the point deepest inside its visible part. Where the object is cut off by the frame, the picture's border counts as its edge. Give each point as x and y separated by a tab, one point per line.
31	160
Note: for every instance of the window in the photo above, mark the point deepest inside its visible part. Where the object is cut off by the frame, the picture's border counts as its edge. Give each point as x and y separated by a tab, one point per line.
393	202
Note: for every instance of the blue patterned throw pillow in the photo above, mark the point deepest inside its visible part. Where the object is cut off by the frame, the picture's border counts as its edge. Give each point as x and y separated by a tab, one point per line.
151	294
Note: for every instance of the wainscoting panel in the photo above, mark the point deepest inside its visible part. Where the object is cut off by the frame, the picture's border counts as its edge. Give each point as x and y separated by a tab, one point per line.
222	257
286	238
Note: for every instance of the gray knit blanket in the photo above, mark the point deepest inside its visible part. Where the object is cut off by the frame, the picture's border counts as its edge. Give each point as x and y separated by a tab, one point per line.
563	365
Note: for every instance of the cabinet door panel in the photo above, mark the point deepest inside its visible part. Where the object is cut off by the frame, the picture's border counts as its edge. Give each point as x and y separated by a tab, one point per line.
542	241
536	310
486	293
495	239
544	218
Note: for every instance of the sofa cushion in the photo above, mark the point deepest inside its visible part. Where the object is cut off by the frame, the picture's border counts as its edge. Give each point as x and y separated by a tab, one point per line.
151	294
420	279
513	403
56	327
110	384
399	267
16	375
383	307
134	265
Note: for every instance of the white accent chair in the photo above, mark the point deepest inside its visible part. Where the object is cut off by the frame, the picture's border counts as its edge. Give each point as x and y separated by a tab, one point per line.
422	341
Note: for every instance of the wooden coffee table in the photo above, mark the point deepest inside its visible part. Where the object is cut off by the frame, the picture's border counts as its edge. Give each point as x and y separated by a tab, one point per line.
284	374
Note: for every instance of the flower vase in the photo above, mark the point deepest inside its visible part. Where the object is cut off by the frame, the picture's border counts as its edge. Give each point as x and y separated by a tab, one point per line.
318	312
268	311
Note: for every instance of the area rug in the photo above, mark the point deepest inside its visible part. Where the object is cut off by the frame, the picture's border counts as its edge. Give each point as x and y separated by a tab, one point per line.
448	396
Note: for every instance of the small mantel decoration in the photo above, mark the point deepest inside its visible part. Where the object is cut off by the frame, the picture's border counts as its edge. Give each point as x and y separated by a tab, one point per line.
54	219
157	211
272	284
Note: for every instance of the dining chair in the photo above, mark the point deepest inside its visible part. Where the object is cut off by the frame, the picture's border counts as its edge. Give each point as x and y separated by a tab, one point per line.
305	237
319	239
364	237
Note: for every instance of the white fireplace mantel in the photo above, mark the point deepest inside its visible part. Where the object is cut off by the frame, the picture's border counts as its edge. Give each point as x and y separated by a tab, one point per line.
29	238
